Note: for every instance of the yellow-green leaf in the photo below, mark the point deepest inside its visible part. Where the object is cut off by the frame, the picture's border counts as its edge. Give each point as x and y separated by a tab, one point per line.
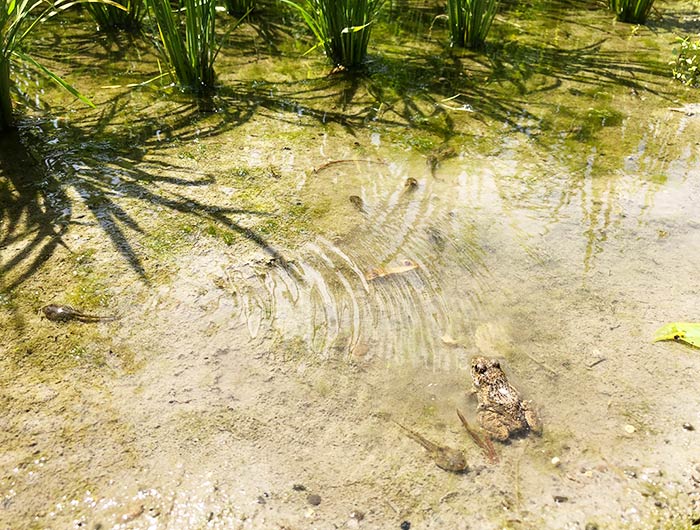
355	29
684	331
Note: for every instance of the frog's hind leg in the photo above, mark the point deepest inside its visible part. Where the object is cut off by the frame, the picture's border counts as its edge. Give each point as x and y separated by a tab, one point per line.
494	425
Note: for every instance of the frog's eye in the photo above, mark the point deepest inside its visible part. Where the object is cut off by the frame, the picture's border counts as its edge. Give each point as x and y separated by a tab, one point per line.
496	364
480	368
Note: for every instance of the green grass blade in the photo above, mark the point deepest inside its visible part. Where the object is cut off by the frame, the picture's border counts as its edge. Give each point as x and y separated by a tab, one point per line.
55	78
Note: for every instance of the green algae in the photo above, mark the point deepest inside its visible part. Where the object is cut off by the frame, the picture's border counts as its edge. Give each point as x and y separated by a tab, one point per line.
521	95
170	238
87	289
55	350
228	237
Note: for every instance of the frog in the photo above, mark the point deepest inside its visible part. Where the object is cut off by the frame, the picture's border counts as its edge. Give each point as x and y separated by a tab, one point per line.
444	457
501	412
64	313
410	184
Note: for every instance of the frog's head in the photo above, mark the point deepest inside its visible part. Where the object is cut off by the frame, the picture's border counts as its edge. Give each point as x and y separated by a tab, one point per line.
483	368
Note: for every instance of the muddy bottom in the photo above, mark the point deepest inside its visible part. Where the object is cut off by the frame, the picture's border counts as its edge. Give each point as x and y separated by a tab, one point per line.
248	393
293	276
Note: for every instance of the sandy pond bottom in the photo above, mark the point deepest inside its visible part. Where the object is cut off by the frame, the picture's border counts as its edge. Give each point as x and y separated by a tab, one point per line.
254	386
263	390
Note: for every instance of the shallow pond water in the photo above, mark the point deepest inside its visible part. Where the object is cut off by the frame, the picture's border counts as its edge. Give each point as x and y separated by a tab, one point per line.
322	255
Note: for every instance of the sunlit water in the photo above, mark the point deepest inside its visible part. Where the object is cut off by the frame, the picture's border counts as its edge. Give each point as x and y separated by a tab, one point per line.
561	233
481	229
379	286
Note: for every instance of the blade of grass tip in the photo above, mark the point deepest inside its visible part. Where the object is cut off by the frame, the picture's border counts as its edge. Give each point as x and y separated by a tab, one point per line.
355	29
238	23
56	79
135	85
312	49
308	18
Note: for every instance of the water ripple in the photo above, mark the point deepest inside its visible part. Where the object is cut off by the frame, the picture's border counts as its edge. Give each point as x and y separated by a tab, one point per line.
336	305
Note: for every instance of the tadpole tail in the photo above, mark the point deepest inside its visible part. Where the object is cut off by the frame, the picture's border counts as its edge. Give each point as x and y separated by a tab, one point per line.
427	444
485	442
95	318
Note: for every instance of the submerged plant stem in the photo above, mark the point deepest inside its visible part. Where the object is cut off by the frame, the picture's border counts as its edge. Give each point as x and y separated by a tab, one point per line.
190	48
470	21
633	11
342	27
5	99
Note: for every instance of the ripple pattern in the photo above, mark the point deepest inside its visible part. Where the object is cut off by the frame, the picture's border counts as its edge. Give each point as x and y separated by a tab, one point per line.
326	296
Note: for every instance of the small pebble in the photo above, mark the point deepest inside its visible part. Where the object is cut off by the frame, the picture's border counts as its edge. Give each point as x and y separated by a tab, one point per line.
629	428
560	498
591	526
652	471
556	461
314	499
688	427
405	525
299	487
357	515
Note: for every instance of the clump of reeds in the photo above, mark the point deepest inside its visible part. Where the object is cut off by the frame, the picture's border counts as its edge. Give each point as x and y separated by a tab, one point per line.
189	42
634	11
239	7
342	27
470	21
112	18
18	19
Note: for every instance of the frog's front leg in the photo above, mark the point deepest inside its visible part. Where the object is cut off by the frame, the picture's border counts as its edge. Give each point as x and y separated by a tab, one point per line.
531	417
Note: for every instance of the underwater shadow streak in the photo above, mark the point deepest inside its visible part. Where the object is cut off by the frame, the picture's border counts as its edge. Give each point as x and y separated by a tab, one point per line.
31	201
134	187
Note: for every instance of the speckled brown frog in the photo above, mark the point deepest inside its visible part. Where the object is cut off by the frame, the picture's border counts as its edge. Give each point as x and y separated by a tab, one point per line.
501	412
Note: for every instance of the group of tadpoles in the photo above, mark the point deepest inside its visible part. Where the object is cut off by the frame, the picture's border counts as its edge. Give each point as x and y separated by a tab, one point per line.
451	459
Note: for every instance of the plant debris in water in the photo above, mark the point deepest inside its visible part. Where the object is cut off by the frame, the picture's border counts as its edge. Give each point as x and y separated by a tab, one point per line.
680	331
382	272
